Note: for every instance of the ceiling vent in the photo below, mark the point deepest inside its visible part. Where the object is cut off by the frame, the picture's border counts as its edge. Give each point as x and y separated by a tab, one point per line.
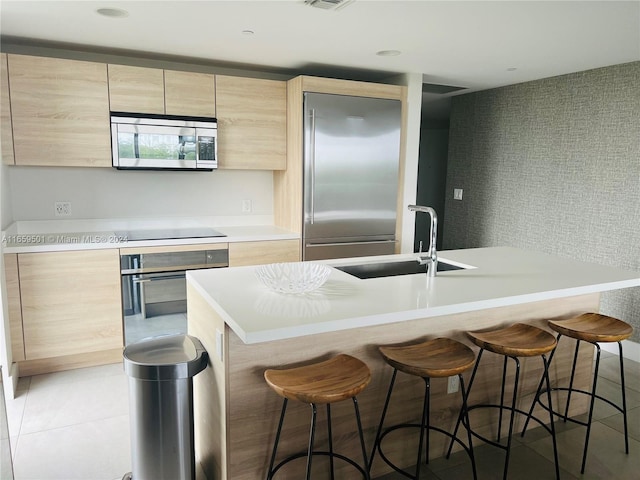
328	4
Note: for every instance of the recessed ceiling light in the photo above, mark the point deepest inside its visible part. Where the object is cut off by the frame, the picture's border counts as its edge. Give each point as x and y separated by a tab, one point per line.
388	53
112	12
248	32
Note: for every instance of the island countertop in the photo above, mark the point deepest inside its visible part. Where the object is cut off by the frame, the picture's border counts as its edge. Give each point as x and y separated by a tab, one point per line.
496	277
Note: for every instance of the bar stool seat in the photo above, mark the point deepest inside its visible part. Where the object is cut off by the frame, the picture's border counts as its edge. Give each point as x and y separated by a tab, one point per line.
592	328
339	378
436	358
517	340
514	341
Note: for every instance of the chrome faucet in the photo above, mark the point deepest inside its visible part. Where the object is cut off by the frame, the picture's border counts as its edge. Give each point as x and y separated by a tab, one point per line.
432	259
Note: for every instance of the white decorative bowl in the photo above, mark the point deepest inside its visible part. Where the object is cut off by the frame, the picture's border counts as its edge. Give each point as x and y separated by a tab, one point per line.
293	277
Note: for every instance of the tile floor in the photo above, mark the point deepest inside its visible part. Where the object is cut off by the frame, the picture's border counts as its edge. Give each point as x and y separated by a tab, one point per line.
75	425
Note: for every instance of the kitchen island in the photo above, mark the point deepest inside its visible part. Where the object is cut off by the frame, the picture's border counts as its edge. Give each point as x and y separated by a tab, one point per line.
246	328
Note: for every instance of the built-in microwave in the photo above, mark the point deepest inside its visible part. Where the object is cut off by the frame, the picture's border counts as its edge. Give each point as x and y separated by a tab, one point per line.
163	142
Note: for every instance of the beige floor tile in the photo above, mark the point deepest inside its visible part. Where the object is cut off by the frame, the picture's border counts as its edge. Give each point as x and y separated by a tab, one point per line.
606	458
98	450
54	404
15	412
77	375
633	422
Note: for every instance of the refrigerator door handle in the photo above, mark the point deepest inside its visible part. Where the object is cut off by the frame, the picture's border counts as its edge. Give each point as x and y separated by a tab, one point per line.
364	242
312	162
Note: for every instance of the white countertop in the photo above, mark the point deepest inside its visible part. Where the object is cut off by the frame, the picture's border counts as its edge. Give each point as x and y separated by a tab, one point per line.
502	276
52	236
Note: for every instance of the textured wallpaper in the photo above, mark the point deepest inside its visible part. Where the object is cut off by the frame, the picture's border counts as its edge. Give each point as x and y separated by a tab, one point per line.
552	165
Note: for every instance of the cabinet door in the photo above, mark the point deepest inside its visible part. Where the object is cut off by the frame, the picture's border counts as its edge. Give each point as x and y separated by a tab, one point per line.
259	253
70	302
5	114
189	93
13	305
136	89
252	123
60	112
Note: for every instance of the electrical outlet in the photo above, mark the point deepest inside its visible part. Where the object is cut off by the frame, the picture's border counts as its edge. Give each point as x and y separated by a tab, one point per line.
62	209
453	384
246	206
457	194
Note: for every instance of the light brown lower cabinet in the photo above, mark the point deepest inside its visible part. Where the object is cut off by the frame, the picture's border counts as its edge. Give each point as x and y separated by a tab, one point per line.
14	307
66	308
71	303
259	253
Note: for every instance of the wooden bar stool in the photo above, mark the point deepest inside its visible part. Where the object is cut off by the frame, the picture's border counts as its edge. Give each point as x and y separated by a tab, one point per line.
591	328
437	358
514	341
339	378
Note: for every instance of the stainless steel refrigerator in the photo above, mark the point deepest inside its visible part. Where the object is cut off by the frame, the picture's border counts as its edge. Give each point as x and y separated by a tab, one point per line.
351	161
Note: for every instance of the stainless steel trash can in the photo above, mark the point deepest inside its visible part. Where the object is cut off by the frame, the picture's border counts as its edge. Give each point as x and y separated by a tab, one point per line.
160	373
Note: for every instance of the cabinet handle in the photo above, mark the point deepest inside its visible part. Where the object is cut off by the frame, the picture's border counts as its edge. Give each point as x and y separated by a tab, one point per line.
312	161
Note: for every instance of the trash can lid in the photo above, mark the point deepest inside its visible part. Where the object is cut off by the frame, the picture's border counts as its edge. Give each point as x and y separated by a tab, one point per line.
165	357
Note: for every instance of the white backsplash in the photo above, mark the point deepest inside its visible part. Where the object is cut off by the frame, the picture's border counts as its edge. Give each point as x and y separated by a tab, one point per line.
110	193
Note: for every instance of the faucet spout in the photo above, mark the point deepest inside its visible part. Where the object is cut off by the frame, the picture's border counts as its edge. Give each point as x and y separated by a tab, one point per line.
432	259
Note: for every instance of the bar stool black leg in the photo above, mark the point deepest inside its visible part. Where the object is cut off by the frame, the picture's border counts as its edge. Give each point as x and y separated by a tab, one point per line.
460	415
504	376
573	374
540	385
424	428
330	441
277	440
513	412
552	426
376	444
312	433
361	435
624	400
466	419
591	403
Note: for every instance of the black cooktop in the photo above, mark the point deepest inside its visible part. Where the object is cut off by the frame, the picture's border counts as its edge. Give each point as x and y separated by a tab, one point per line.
169	233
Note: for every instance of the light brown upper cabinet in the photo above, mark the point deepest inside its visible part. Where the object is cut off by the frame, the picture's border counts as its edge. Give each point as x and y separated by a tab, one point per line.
5	114
59	111
153	90
189	93
136	89
252	123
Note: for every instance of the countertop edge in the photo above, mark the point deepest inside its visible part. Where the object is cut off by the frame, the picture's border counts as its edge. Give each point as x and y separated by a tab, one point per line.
398	317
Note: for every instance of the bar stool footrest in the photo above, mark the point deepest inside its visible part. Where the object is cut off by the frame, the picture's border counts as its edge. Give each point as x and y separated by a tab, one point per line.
516	410
317	453
416	425
574	390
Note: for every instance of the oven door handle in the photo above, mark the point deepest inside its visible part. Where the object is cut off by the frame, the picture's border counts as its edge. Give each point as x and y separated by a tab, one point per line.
158	278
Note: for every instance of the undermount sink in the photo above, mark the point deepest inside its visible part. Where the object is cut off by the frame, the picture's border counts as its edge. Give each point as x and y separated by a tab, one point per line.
392	269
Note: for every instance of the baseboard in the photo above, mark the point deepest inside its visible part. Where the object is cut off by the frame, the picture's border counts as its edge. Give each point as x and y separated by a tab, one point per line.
630	350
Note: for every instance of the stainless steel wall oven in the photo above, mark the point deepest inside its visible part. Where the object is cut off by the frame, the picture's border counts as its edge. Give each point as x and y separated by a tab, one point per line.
154	291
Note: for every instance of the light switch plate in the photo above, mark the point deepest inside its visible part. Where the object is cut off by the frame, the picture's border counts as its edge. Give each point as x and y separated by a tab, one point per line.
457	194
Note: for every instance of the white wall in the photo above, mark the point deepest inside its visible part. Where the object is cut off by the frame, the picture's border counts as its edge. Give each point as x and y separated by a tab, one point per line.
97	193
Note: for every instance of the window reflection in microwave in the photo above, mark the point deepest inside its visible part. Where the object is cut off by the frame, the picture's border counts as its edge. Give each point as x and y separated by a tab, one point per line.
153	146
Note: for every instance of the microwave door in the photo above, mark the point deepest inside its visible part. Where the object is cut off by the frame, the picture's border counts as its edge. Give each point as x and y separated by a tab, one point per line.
142	146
